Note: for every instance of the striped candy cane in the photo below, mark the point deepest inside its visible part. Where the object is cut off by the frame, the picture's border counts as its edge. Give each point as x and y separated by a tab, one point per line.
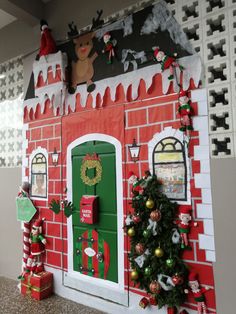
26	246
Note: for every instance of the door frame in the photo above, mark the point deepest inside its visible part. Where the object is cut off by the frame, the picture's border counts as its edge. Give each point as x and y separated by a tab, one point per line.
99	287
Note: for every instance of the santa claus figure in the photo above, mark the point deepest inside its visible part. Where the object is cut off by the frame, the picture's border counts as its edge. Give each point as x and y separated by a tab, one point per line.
167	62
47	43
185	224
197	292
37	241
109	47
185	111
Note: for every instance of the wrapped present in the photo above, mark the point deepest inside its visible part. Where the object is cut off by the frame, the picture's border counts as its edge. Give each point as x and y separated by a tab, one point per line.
37	286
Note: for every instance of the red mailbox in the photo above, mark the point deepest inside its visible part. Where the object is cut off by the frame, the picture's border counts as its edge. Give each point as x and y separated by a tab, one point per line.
89	209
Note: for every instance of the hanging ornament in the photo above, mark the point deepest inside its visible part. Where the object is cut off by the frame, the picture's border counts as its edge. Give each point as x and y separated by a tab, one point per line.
175	236
155	215
142	258
177	279
143	303
147	271
139	248
152	300
165	282
134	275
149	203
128	220
155	287
146	233
136	219
131	232
152	225
170	262
159	252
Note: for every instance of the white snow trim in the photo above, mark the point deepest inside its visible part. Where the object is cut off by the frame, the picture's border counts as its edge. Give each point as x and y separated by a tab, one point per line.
38	150
54	92
25	160
96	286
192	70
170	132
52	60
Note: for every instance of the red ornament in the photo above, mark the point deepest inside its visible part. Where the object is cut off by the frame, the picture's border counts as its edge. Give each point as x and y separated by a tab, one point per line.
177	279
155	287
136	219
152	299
139	248
143	303
155	215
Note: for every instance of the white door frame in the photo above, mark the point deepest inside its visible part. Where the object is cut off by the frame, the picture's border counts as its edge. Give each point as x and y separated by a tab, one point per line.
103	288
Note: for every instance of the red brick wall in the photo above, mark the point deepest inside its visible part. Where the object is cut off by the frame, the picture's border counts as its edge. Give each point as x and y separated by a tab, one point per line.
139	119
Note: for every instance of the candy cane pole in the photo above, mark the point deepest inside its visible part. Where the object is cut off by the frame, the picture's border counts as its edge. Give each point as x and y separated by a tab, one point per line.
26	244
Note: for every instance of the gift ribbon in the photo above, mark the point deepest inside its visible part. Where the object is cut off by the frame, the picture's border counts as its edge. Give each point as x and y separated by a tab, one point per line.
30	287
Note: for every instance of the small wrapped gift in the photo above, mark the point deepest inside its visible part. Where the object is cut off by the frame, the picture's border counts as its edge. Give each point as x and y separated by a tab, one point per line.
37	286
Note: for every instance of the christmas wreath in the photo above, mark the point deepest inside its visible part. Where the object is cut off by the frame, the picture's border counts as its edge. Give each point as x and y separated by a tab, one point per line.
90	162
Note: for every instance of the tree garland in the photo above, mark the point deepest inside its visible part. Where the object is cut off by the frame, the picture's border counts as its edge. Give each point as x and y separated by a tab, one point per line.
90	162
155	254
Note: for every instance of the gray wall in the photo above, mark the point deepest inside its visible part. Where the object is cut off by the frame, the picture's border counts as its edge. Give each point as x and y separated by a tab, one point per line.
223	174
10	229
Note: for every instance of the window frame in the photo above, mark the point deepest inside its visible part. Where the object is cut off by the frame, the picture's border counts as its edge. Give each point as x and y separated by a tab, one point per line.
34	154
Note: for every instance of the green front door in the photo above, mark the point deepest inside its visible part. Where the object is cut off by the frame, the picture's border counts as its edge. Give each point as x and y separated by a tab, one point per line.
95	245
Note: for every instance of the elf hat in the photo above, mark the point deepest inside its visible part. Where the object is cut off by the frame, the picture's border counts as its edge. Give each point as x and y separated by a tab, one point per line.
183	93
192	276
130	174
185	210
43	25
38	224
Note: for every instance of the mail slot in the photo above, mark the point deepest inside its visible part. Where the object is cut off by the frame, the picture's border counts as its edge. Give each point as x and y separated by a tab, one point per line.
89	209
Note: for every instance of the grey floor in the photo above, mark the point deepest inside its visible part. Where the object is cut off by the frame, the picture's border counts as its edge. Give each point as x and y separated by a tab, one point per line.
12	302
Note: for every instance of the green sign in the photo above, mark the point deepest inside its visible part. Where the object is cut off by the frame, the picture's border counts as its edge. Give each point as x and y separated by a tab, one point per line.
25	209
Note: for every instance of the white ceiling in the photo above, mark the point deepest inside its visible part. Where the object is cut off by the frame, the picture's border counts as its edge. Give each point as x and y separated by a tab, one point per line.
5	18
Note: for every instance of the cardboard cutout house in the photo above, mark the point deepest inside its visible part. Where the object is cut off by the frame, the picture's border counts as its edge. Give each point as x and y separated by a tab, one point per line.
133	99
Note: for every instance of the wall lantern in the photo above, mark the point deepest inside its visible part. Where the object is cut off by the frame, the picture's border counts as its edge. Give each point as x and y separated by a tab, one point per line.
134	150
55	156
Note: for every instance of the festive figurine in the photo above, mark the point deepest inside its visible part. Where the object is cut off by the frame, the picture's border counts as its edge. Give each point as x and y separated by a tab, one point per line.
185	224
109	46
31	265
185	111
47	44
197	292
37	240
136	183
167	62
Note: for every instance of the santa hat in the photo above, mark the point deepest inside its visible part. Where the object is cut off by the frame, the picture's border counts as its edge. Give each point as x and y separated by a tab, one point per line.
156	51
192	276
130	174
43	25
107	34
185	210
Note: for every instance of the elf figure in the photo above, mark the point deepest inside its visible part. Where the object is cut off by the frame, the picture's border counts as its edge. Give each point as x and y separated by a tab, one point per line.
167	62
184	225
37	241
197	292
185	111
47	43
109	47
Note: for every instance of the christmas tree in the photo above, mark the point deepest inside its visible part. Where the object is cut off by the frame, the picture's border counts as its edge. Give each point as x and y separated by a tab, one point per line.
155	254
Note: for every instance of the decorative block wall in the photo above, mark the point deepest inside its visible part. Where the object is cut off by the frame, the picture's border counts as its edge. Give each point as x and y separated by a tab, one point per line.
210	26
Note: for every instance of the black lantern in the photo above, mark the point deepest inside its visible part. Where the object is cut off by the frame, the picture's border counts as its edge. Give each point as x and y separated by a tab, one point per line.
55	156
134	150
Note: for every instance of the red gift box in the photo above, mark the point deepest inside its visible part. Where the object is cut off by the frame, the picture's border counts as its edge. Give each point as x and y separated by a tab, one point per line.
37	286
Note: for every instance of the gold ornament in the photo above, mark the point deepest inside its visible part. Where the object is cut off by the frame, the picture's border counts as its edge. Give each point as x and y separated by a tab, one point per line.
149	203
131	232
134	275
159	252
90	162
